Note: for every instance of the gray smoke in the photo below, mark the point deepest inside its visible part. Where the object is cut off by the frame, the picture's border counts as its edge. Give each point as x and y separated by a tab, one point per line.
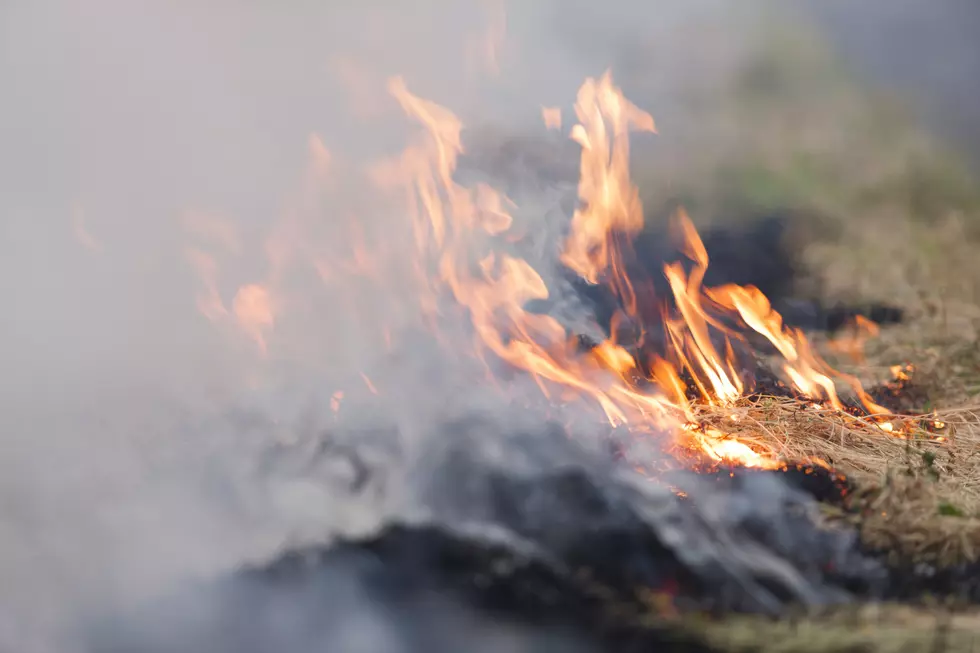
137	434
532	528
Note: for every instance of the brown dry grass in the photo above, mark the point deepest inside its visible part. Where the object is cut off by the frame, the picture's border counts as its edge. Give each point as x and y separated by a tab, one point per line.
922	498
889	215
916	497
868	629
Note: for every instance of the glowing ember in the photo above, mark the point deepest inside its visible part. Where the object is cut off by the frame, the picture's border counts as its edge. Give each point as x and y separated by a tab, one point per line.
901	373
721	447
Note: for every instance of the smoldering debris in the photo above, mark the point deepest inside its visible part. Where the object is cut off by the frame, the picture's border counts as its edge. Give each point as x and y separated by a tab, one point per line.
410	589
525	538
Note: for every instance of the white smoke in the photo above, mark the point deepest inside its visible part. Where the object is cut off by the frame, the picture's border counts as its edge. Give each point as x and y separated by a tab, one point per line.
123	471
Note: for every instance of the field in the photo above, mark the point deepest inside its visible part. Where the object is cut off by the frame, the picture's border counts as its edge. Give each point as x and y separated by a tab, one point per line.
881	211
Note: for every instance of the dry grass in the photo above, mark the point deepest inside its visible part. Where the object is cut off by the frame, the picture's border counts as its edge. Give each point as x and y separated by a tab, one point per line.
920	497
918	488
890	219
868	629
888	214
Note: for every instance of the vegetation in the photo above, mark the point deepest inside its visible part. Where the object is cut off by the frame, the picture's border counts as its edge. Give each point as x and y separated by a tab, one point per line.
887	213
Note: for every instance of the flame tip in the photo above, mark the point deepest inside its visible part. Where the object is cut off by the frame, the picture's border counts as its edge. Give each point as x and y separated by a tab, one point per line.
458	232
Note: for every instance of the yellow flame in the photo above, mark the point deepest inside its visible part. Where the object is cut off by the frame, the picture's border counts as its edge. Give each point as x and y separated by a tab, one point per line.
462	237
610	203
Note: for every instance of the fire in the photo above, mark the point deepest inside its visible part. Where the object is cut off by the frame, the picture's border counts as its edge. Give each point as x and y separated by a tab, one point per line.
495	291
645	396
463	238
551	117
851	343
693	350
610	202
253	309
454	220
901	373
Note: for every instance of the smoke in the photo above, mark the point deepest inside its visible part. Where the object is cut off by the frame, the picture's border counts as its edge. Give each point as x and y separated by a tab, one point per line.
136	432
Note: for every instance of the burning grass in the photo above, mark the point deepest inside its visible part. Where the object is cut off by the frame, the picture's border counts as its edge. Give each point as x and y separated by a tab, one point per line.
883	210
915	497
914	492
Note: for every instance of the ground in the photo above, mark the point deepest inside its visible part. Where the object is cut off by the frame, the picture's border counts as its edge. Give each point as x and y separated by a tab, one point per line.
887	213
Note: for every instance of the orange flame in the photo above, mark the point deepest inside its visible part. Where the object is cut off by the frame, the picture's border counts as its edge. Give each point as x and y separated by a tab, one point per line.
496	289
611	203
450	219
551	117
463	235
253	310
852	341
